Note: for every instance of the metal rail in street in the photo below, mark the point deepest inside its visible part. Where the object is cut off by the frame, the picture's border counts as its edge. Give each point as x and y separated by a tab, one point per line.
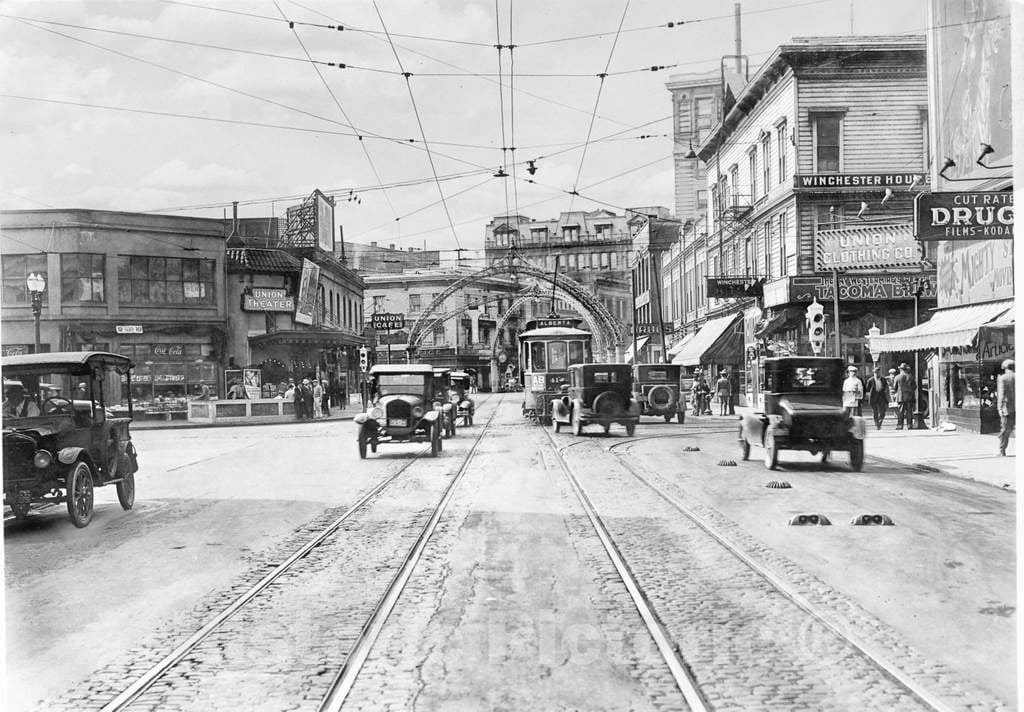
868	650
346	677
677	666
145	681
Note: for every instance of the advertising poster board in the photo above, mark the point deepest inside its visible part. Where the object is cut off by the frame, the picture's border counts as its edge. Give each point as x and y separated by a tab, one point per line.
305	307
231	376
252	379
324	223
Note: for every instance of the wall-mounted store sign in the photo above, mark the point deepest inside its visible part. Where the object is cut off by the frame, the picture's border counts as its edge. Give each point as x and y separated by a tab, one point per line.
734	287
873	287
387	321
264	299
964	216
856	181
168	349
866	247
128	328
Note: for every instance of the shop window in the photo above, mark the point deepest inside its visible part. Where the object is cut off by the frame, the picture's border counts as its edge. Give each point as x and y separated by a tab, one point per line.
81	278
165	280
16	269
828	142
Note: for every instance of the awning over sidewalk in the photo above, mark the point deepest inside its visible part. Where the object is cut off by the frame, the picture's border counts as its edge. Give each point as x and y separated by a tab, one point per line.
680	345
636	348
711	338
948	328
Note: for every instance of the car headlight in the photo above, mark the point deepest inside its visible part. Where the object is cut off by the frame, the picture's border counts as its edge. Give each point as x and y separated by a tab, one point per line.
42	459
376	413
436	405
417	411
446	407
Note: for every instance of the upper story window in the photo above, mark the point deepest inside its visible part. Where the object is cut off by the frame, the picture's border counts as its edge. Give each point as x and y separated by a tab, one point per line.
829	217
380	304
704	109
766	162
781	139
729	194
82	278
702	200
164	280
603	229
571	233
752	158
16	269
415	303
539	234
828	131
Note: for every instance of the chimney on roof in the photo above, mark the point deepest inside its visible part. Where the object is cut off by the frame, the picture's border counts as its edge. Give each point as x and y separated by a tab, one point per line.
391	246
412	249
234	239
373	244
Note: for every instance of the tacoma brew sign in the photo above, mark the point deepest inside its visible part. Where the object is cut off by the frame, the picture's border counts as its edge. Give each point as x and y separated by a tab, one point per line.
964	216
856	181
266	299
868	287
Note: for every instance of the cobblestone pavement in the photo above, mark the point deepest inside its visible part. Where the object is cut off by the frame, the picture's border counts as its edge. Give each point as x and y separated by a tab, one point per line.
515	605
749	646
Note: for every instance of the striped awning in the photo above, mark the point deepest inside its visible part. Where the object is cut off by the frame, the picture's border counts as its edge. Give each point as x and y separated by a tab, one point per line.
948	328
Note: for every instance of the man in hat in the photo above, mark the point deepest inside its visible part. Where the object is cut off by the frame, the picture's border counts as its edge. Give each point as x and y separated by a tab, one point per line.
878	396
906	387
853	391
307	399
1006	403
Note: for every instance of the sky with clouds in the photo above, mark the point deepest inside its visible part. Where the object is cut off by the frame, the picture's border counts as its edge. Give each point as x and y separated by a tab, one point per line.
186	106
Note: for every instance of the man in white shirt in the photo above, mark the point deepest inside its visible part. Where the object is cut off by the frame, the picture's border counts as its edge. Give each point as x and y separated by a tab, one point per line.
853	391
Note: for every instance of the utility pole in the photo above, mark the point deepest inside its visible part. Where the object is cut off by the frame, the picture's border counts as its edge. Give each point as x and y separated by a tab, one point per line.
835	311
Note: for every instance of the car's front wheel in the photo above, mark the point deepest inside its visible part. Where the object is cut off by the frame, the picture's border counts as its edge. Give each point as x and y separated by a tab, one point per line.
126	492
857	456
80	494
771	452
630	429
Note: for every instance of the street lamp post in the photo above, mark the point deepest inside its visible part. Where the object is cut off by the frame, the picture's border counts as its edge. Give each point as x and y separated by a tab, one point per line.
36	286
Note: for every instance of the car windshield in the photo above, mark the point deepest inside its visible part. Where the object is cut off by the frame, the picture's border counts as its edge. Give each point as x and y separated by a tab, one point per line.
389	384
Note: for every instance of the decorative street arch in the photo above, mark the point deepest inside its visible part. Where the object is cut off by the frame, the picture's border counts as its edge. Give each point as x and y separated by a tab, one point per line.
607	330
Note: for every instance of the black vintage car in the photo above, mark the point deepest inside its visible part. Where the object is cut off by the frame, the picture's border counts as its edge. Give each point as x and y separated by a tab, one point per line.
465	408
400	408
442	385
803	410
656	389
597	394
61	438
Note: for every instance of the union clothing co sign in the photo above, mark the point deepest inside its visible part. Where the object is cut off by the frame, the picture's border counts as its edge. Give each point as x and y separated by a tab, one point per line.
876	246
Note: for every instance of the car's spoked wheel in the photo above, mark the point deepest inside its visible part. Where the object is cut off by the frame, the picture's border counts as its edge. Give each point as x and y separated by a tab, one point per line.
630	429
857	456
771	452
126	491
80	495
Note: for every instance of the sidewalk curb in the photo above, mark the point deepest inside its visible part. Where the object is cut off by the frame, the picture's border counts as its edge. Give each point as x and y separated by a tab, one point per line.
931	469
193	426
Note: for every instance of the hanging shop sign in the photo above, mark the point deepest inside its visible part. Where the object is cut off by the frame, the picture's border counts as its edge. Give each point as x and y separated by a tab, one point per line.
856	181
646	329
128	328
306	306
387	321
866	247
981	215
264	299
734	287
873	287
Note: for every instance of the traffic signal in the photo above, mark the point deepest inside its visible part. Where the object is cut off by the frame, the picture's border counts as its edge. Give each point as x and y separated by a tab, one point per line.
364	358
816	326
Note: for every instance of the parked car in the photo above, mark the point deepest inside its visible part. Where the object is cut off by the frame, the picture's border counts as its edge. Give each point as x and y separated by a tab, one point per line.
441	400
803	410
58	447
597	394
400	409
656	389
465	407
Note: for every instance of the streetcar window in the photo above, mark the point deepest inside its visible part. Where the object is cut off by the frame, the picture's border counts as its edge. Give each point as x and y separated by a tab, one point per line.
577	354
559	359
537	356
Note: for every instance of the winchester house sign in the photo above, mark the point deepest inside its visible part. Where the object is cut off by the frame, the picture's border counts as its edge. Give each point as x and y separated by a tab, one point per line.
856	181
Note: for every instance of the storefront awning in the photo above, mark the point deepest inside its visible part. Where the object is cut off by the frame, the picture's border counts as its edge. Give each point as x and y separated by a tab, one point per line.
636	348
680	345
948	328
708	339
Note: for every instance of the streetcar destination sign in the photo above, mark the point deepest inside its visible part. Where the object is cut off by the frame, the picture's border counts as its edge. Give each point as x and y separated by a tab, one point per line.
388	321
974	215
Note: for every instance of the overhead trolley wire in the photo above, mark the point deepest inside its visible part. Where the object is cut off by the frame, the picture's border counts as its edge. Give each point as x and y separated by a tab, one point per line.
419	122
501	103
512	114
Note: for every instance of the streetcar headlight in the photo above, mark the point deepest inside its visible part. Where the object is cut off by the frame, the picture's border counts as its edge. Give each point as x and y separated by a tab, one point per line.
417	411
42	459
376	413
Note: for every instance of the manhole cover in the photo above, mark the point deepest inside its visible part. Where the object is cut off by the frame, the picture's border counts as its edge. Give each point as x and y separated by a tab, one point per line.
777	484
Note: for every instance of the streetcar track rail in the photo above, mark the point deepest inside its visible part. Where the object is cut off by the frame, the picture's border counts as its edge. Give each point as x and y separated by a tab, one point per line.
146	681
870	651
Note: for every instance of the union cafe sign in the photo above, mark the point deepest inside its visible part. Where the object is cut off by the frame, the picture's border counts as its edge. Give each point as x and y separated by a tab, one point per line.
856	181
964	215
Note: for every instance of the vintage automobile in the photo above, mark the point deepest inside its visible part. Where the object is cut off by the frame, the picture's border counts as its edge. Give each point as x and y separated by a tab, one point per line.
656	389
465	408
442	385
803	410
400	408
57	448
597	394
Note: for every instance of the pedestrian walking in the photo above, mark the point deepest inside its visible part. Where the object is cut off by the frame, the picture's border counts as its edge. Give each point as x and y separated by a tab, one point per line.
318	399
296	391
906	387
325	398
853	391
307	399
878	396
701	394
723	389
1007	403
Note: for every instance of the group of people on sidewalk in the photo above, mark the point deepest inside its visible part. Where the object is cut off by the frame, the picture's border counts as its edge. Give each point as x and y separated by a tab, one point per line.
701	393
312	399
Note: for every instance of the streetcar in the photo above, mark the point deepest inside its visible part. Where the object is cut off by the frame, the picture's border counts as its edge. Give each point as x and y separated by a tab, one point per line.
547	348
